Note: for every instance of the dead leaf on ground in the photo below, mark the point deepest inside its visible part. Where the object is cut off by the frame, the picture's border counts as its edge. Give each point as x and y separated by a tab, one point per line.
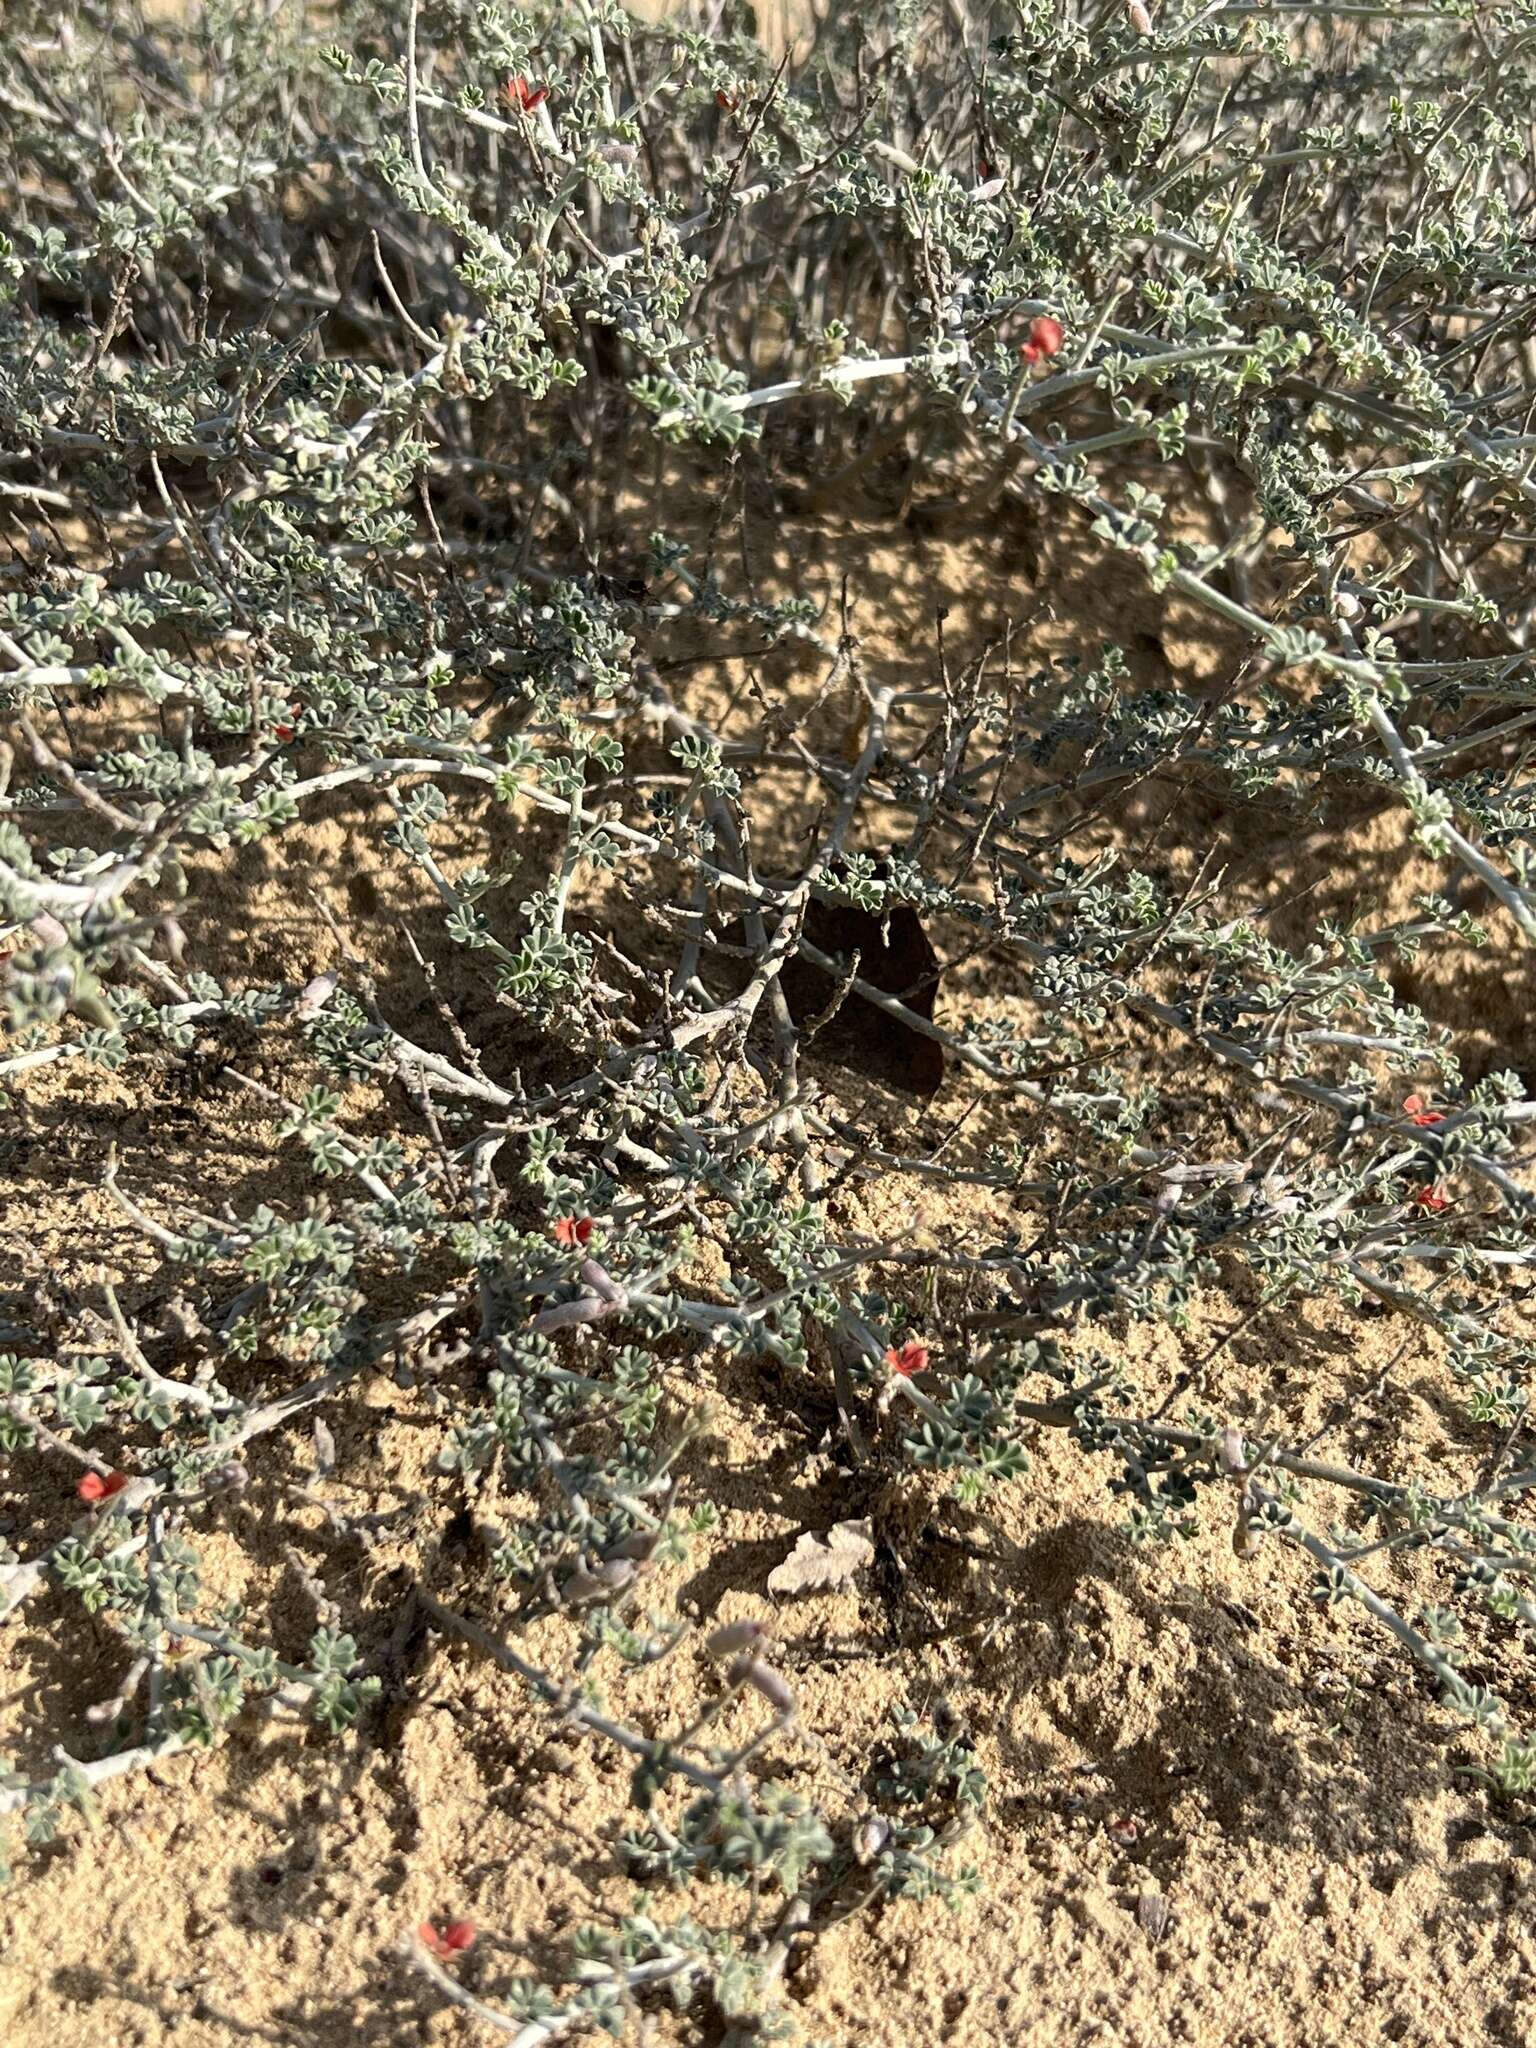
828	1560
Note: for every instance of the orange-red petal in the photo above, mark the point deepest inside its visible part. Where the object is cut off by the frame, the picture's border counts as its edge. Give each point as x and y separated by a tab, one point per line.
911	1359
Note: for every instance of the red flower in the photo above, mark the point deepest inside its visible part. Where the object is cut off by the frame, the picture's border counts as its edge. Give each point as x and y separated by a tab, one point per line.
94	1487
1432	1200
910	1359
726	101
1046	334
457	1936
526	96
574	1232
1419	1112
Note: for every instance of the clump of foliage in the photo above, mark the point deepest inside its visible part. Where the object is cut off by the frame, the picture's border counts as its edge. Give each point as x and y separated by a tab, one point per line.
329	338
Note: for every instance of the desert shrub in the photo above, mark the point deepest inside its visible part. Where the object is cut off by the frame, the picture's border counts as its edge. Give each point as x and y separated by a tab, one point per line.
368	374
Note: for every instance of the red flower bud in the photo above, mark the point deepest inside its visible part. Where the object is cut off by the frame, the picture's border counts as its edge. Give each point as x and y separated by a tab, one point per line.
1419	1112
910	1359
525	96
1046	335
726	101
574	1232
457	1936
97	1486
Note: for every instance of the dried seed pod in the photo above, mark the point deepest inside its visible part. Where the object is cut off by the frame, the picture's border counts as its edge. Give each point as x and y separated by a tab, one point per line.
732	1637
583	1587
315	994
763	1679
1138	17
1231	1452
870	1837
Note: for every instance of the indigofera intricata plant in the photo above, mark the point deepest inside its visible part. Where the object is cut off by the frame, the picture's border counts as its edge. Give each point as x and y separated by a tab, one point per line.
332	364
